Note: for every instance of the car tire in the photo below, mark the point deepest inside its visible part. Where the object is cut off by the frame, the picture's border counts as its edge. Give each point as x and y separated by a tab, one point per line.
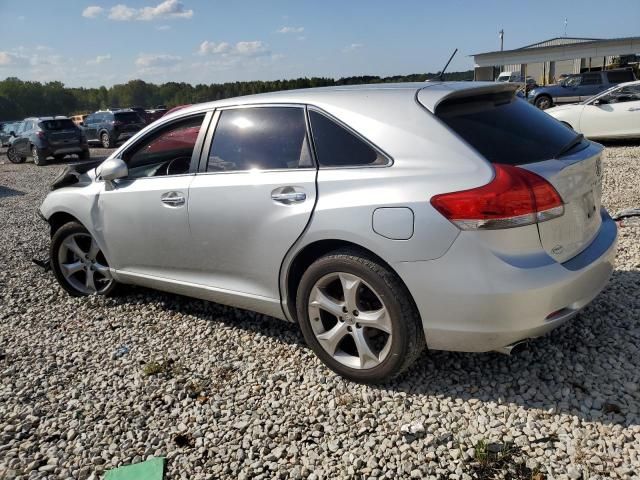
543	102
106	141
13	156
38	157
84	155
78	264
377	331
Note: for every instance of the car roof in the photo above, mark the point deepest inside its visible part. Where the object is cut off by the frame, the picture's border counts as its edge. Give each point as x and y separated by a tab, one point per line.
347	97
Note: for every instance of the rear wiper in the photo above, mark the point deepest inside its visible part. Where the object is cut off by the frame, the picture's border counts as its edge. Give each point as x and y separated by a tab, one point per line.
575	141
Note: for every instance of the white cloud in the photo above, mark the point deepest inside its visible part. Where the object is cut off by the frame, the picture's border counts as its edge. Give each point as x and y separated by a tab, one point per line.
99	59
146	60
11	59
248	49
169	9
352	47
291	30
92	12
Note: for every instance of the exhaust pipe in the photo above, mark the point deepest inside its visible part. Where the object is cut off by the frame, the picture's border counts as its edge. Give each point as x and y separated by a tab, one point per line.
513	348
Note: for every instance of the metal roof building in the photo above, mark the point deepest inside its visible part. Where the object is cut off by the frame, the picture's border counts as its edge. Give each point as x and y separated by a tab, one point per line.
546	60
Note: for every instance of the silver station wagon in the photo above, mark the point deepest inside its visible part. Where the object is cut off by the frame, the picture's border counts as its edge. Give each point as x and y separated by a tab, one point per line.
382	219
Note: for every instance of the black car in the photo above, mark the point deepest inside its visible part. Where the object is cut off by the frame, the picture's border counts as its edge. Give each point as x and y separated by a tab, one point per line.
42	137
112	126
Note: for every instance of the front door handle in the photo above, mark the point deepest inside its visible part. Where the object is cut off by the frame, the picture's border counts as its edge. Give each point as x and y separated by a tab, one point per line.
288	195
173	199
634	109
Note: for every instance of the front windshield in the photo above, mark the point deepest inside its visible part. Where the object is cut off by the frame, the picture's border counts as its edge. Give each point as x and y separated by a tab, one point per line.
601	94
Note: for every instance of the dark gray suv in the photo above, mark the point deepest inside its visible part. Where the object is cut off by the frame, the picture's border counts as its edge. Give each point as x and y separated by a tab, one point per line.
42	137
109	127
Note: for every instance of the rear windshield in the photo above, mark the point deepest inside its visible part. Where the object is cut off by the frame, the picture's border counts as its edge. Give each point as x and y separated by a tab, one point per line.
65	124
128	117
505	129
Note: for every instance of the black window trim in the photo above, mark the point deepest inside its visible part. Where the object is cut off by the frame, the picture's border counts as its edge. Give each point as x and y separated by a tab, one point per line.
380	151
208	141
197	150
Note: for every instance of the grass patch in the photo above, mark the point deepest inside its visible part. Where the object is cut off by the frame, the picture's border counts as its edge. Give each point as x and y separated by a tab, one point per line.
167	367
501	460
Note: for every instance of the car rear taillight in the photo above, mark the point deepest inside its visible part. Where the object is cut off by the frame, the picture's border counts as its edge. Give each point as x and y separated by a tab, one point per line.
40	134
514	197
116	123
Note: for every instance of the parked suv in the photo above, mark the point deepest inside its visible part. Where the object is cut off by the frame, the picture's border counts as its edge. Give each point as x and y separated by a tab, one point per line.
377	217
42	137
579	87
109	127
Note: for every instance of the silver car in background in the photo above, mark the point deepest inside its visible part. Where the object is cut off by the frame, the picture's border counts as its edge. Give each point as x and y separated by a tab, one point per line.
380	218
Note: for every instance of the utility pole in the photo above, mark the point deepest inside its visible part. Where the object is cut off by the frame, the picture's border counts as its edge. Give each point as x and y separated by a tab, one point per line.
501	35
566	21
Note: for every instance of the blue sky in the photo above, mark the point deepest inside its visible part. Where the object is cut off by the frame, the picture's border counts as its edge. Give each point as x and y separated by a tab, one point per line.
102	42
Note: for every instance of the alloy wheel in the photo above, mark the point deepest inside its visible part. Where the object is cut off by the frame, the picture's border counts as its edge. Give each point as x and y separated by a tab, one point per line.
350	321
13	156
83	265
105	140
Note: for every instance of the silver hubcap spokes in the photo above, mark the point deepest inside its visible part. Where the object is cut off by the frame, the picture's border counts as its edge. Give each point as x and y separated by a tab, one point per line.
349	320
105	140
83	265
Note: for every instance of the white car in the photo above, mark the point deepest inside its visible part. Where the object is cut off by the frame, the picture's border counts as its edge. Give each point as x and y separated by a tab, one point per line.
614	113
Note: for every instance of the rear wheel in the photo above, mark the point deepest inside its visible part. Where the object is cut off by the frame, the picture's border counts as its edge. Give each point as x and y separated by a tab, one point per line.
543	102
358	317
38	157
78	263
106	141
13	156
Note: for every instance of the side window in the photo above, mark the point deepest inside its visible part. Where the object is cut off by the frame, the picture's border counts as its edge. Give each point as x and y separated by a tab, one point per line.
620	76
166	151
89	119
630	93
591	79
263	138
337	147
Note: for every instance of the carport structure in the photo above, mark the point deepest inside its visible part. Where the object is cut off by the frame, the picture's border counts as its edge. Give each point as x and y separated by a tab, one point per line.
545	61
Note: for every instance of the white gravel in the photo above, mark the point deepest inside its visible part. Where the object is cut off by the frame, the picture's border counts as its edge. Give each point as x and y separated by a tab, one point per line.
90	384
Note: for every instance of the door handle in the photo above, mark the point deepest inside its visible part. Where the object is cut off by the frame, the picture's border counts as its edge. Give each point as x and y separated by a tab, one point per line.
173	199
288	195
633	109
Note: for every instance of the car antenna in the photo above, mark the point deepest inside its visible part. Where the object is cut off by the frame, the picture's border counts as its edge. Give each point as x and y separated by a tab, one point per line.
441	73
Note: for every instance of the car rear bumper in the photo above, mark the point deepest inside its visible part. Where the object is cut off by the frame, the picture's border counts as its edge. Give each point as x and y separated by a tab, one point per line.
65	150
474	300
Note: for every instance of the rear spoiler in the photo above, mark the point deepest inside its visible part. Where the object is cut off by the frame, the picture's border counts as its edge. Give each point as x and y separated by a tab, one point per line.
433	95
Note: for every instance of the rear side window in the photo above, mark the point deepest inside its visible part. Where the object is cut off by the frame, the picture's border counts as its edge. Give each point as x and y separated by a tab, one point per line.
337	147
591	79
58	124
505	129
127	117
260	138
620	76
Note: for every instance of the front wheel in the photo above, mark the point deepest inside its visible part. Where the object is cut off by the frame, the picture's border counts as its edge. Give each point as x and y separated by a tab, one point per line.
14	157
106	141
38	158
358	317
78	263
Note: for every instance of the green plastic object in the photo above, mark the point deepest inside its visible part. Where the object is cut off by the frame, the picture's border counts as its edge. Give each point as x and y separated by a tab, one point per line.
152	469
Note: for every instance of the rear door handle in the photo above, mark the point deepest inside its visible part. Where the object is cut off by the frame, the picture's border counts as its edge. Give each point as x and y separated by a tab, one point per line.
173	199
288	195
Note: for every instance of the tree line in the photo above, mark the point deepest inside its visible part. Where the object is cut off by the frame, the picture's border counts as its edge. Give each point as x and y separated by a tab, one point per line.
20	99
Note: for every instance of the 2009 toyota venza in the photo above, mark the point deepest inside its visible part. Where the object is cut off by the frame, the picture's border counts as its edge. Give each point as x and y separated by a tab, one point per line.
382	219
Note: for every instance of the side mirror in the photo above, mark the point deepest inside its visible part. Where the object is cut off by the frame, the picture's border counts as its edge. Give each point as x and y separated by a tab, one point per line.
600	101
81	124
112	169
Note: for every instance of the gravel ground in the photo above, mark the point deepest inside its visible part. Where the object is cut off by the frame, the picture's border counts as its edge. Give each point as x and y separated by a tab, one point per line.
90	384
